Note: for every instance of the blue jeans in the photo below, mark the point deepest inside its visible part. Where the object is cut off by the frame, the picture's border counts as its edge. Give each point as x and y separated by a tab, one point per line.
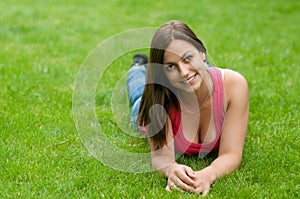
136	79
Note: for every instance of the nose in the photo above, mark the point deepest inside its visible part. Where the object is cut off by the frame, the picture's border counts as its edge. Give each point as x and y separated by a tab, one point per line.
183	69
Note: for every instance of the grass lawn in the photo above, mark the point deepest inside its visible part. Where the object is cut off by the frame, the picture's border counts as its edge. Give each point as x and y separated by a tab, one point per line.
43	45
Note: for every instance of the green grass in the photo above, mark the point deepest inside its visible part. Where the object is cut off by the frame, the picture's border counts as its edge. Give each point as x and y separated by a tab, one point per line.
44	43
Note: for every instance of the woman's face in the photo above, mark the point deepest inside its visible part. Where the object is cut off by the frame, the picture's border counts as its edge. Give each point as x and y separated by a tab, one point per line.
182	62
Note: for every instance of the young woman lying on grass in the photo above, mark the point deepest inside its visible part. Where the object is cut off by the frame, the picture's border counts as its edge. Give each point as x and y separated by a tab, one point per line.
187	106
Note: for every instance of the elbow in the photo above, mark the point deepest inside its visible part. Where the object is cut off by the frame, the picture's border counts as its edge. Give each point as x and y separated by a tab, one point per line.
233	161
237	160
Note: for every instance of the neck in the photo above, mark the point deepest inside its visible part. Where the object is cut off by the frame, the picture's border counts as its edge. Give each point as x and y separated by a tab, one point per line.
195	101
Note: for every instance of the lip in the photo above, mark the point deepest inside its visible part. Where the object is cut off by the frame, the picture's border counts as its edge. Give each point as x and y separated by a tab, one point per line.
188	80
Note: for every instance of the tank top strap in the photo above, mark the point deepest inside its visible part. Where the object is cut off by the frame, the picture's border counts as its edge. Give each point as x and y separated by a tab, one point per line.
218	97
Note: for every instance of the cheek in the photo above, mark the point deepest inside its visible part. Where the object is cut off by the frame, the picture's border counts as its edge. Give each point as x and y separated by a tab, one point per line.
171	76
198	64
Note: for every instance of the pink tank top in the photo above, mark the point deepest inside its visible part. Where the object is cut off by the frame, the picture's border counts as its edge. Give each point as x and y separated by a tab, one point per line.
182	145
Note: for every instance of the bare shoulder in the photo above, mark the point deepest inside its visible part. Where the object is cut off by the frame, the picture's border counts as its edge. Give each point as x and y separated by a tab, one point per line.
234	79
235	84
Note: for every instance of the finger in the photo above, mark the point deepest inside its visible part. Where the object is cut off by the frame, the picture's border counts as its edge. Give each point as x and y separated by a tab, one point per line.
189	171
198	190
168	188
206	191
181	184
174	187
185	178
171	185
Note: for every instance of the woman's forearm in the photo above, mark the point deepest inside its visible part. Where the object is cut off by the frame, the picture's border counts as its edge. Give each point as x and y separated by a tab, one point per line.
162	164
225	164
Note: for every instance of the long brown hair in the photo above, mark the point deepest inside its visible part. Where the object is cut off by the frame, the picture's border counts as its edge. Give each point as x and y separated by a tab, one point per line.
158	90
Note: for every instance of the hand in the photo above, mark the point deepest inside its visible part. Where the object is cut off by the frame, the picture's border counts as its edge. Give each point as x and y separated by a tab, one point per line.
203	180
180	177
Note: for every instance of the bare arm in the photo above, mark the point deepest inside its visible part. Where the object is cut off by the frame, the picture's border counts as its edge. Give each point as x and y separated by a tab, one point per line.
235	125
163	160
233	133
164	157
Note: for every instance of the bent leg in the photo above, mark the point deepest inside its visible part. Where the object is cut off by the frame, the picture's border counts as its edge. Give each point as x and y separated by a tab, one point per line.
136	79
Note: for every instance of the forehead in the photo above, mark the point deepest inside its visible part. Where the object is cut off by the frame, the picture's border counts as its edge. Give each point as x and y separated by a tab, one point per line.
178	48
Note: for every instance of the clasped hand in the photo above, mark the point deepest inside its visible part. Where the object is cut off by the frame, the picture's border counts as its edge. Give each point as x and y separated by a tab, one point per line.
182	177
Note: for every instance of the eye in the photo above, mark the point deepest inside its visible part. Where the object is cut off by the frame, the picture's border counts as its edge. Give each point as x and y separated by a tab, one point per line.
170	67
188	58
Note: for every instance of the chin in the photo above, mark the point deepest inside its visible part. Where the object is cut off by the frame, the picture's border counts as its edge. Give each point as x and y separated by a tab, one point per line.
189	89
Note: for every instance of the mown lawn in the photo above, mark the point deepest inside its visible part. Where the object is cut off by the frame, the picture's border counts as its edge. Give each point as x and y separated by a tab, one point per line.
43	46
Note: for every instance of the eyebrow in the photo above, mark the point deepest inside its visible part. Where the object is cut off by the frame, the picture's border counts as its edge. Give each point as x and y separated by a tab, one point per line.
182	57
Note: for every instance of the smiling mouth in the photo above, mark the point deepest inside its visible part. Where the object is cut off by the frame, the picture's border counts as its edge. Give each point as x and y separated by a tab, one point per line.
189	79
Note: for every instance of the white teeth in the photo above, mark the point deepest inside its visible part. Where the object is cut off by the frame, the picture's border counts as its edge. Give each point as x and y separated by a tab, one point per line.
190	79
